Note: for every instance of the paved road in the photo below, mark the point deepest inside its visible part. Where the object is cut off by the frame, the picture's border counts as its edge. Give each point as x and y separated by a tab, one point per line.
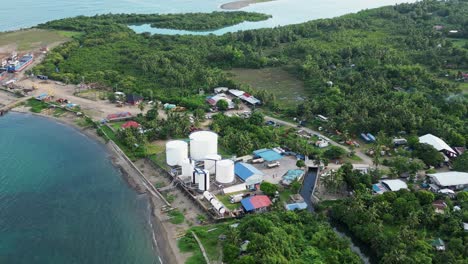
365	159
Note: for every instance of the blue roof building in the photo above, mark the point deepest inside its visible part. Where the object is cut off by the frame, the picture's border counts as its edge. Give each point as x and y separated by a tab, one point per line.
268	154
292	175
256	203
296	206
245	171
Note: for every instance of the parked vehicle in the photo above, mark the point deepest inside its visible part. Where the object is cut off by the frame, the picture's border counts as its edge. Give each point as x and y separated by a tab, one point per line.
273	164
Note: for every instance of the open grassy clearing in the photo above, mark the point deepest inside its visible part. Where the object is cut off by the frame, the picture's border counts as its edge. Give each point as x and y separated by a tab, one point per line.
288	89
464	87
117	125
93	94
226	201
209	237
25	40
461	43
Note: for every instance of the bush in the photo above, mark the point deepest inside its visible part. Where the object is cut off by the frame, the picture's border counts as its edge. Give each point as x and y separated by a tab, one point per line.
268	188
176	217
334	152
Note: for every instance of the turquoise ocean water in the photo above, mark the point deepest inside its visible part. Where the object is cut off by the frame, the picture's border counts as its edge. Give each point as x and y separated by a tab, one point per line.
62	201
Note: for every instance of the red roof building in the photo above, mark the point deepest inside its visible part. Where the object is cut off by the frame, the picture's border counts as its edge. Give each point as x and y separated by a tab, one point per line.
131	124
256	203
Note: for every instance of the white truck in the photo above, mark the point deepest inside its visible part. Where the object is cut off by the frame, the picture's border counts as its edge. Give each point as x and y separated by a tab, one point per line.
273	164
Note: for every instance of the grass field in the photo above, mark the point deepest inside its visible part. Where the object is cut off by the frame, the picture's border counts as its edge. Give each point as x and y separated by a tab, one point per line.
461	43
209	237
227	203
117	125
25	40
288	89
464	87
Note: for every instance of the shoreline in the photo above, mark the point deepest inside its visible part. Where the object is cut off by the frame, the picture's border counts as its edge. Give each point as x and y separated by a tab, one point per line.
236	5
161	237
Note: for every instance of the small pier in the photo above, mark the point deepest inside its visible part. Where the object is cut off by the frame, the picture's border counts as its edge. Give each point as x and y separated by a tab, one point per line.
8	107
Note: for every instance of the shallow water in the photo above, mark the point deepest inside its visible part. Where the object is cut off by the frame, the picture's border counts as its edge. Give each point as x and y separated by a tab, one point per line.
62	201
26	13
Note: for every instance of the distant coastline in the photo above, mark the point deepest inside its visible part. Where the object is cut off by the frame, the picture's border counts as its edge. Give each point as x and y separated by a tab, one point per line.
235	5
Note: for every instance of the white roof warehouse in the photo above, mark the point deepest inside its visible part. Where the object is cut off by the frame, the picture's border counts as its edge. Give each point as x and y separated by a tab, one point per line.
437	143
453	179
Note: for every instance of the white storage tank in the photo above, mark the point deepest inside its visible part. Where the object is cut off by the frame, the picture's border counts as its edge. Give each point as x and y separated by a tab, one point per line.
215	202
203	143
208	196
187	167
225	171
210	162
195	176
176	152
218	206
203	178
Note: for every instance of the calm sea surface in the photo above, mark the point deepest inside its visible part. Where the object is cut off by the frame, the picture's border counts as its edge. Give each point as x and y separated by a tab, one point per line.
62	201
26	13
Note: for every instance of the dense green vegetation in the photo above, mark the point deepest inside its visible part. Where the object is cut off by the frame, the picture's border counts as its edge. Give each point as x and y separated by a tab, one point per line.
36	106
461	163
189	21
204	21
286	237
400	226
354	67
252	133
381	70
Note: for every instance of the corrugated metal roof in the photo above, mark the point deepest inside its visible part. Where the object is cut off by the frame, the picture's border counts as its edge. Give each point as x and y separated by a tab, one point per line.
268	154
395	185
244	170
255	202
296	206
436	142
451	178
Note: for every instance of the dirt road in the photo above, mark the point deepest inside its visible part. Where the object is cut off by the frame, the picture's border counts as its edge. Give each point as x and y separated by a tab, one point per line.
365	159
98	109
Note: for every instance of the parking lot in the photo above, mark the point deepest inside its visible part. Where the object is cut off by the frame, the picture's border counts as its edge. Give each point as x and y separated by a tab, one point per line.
275	174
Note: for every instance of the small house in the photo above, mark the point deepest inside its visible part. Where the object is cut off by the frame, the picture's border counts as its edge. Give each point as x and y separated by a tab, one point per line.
213	100
221	90
465	76
130	124
394	185
134	99
465	227
399	142
244	245
439	206
321	143
296	206
256	203
438	244
291	176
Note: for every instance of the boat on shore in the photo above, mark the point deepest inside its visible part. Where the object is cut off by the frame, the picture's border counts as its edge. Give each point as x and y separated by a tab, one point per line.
19	65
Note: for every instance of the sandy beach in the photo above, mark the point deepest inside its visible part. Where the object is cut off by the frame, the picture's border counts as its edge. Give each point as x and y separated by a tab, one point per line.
235	5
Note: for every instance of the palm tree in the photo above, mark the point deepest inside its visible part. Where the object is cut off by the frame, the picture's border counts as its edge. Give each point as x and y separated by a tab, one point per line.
142	106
